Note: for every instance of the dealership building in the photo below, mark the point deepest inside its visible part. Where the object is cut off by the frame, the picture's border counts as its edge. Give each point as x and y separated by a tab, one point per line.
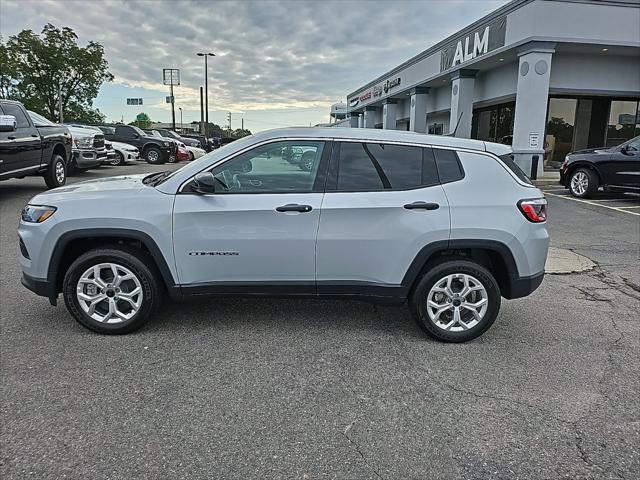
547	77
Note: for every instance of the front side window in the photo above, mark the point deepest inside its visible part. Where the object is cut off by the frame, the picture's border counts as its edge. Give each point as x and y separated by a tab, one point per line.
377	166
278	167
16	111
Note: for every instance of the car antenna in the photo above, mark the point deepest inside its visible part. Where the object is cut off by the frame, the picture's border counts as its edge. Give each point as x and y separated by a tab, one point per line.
453	134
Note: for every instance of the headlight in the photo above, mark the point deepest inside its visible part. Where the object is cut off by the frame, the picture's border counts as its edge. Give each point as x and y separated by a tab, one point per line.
166	144
37	213
83	142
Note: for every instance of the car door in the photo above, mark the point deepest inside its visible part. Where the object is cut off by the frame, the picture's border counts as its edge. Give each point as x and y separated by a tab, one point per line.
257	232
20	150
383	204
624	165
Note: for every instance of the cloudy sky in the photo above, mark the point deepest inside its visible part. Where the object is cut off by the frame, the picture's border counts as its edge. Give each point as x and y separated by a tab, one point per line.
277	63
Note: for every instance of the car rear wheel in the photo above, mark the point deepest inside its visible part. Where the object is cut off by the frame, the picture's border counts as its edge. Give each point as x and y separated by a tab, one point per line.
111	290
153	155
456	301
307	161
583	183
56	174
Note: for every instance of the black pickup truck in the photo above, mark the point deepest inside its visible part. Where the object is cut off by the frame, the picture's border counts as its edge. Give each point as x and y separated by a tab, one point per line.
152	149
29	149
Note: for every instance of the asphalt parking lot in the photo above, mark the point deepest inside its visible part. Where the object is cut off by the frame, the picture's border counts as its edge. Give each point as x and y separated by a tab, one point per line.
230	388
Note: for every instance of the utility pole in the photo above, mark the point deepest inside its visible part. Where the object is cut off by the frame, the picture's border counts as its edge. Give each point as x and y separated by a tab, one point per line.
173	110
60	114
242	123
229	120
202	130
206	90
180	108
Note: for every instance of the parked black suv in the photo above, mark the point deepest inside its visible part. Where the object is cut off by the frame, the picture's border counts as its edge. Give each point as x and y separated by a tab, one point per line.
615	168
28	148
152	149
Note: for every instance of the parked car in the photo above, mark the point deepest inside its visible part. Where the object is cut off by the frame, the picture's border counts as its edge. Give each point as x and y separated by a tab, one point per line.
125	152
180	153
207	144
449	224
89	149
153	150
194	152
32	146
613	168
173	135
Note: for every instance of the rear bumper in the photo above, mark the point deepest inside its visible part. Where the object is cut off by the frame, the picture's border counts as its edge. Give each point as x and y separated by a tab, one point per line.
518	287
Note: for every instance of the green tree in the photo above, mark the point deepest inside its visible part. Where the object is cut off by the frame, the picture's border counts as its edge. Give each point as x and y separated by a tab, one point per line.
142	121
49	68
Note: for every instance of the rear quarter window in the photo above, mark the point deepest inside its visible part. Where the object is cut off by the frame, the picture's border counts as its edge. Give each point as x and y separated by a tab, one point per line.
449	166
508	160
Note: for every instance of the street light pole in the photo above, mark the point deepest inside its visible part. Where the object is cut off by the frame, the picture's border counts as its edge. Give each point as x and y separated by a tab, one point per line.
206	90
180	108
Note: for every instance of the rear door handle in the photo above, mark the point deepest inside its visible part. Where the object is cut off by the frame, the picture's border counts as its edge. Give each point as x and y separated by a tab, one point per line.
422	205
294	207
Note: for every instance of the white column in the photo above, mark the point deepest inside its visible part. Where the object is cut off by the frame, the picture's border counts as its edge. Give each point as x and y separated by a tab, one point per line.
532	95
389	108
361	120
418	113
369	117
462	85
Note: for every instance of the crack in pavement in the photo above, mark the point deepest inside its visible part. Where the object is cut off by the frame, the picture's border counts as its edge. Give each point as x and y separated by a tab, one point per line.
345	434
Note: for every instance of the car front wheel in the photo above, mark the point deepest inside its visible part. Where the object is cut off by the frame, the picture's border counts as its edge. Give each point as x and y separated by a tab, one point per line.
456	301
153	155
583	183
111	290
119	160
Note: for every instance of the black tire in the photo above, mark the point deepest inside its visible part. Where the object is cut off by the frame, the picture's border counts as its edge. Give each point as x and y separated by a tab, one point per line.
419	298
119	160
191	157
153	155
577	188
123	257
56	174
307	161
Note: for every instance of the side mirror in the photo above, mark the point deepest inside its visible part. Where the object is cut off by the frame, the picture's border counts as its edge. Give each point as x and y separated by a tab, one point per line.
135	135
7	123
204	183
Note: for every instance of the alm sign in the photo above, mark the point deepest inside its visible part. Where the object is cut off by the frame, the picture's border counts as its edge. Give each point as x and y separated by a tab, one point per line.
483	40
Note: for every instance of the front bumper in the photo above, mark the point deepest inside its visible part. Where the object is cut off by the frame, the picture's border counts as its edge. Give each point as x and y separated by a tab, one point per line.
40	286
87	158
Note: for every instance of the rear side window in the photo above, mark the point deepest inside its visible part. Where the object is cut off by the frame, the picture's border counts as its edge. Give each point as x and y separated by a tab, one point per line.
378	166
449	167
513	166
16	111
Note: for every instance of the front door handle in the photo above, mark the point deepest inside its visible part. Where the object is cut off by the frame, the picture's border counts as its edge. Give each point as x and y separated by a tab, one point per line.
422	205
294	207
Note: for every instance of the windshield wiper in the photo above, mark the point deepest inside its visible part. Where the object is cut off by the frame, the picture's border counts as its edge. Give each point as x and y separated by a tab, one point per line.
155	178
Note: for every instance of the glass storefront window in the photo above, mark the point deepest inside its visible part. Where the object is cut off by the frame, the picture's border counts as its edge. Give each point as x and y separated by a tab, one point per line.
624	123
494	124
560	124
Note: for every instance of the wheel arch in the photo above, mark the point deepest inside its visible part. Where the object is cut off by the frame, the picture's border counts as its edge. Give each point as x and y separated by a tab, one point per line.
582	164
492	254
72	244
59	149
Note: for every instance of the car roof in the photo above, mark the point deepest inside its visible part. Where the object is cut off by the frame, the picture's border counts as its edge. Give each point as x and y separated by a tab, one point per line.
382	135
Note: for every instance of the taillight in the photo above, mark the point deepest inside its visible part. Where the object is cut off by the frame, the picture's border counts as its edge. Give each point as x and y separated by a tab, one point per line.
535	210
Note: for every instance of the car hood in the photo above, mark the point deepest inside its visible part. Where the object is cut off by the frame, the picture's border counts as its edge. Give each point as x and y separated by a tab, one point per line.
123	146
591	150
108	186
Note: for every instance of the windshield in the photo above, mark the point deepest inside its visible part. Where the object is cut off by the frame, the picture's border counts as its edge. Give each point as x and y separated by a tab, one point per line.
632	145
39	120
169	133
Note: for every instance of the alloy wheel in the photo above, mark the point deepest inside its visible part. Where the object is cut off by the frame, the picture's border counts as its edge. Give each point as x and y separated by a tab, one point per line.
457	302
152	156
60	174
109	293
579	183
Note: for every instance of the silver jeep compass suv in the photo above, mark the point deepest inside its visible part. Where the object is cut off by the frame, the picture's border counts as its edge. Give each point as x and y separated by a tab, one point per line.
451	225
